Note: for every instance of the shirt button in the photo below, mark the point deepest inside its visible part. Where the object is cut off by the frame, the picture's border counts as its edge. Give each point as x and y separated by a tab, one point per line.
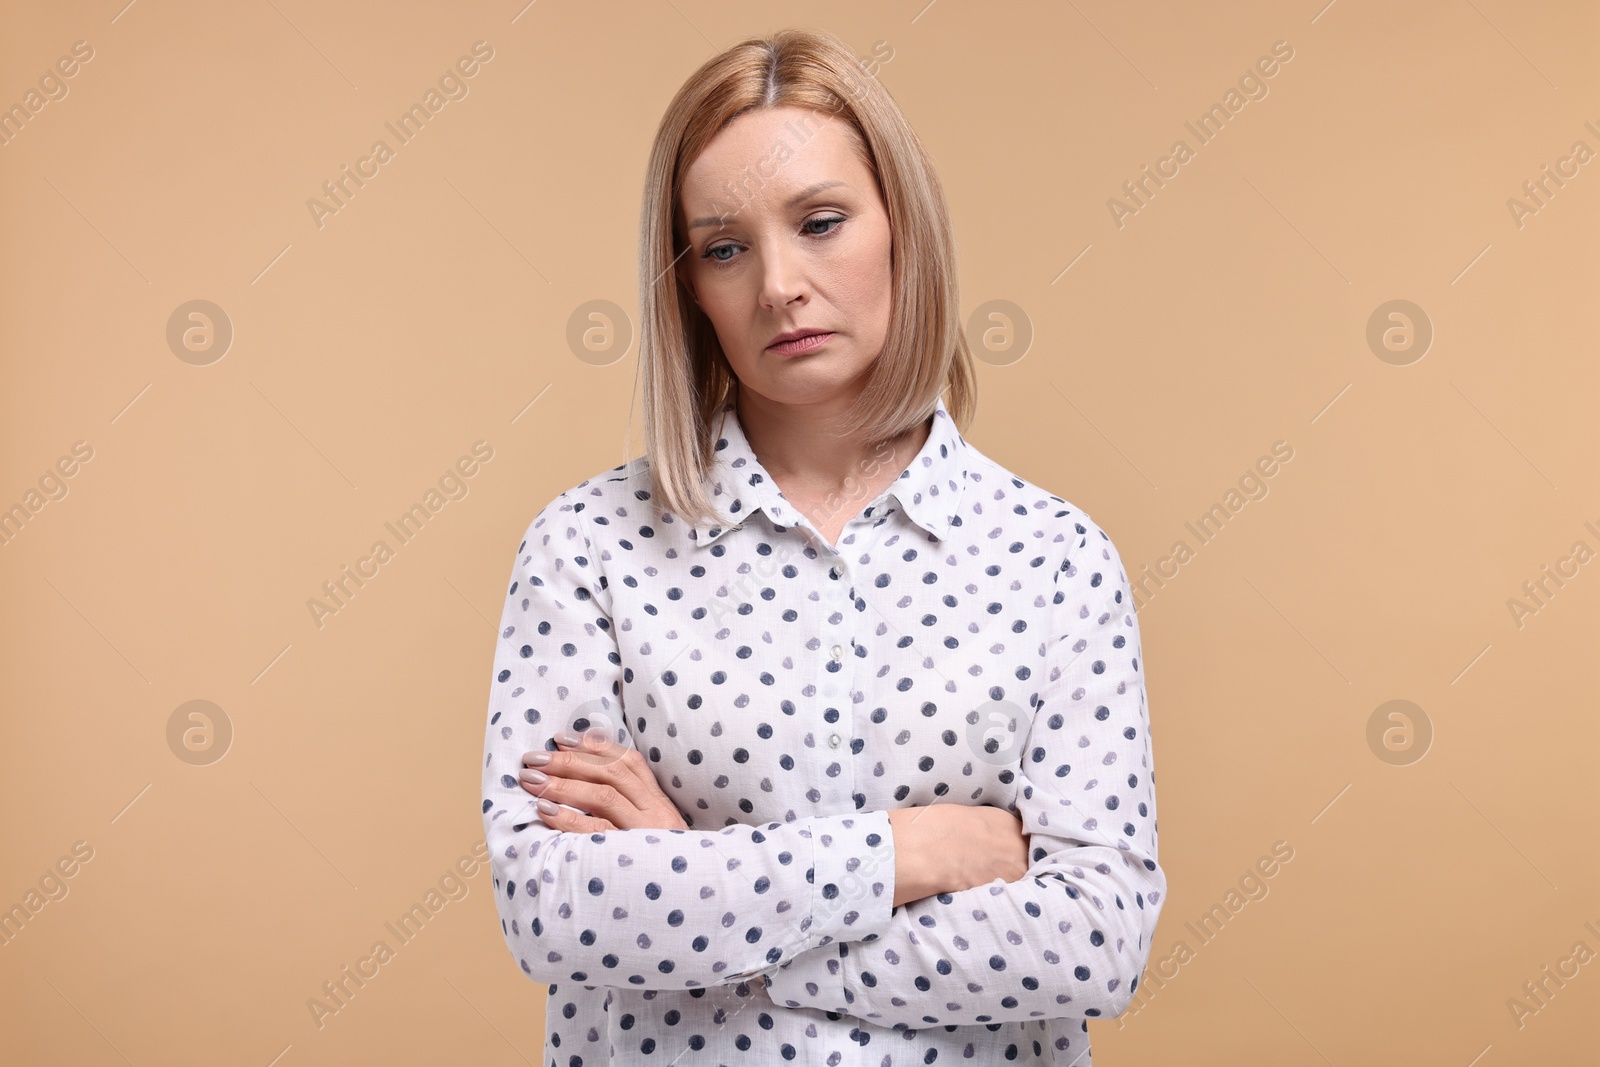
833	740
838	653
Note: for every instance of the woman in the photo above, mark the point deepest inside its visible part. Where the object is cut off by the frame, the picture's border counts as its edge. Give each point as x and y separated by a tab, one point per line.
815	734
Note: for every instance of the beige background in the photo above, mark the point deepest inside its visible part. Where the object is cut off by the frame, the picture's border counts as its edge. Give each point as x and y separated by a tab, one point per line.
1228	313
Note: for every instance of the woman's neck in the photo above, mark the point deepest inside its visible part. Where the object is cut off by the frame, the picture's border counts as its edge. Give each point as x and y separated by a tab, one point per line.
799	446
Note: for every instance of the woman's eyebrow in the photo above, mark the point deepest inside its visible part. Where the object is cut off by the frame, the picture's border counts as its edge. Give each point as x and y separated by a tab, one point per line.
713	220
812	190
808	191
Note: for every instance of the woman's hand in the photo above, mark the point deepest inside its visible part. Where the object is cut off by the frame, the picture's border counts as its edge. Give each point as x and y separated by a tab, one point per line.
945	848
610	784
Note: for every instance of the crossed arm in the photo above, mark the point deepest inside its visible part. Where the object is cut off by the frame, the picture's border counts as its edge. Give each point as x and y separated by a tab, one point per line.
839	913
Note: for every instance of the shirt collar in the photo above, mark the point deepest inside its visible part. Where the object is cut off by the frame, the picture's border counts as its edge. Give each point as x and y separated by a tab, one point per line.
929	490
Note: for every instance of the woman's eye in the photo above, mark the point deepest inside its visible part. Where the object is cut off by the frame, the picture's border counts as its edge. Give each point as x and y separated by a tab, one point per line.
717	260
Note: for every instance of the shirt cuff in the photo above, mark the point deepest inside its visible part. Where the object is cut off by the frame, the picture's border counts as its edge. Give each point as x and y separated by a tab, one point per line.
852	879
813	979
852	896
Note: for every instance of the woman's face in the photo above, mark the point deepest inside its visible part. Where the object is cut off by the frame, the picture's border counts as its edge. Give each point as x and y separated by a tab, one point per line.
787	231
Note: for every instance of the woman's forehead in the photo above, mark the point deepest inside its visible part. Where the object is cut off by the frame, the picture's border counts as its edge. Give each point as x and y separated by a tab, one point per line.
770	158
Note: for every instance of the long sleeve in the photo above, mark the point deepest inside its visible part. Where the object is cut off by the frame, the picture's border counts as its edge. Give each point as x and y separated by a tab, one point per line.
646	909
1071	937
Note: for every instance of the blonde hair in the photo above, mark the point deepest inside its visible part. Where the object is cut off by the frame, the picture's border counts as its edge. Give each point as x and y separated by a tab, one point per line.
687	378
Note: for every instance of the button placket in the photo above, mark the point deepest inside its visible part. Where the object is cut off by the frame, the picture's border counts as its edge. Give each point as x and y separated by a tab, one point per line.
838	684
841	573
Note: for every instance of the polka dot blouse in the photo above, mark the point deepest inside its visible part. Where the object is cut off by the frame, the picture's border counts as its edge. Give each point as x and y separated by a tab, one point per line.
970	639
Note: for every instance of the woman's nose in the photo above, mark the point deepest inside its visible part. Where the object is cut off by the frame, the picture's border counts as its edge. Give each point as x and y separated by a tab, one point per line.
782	275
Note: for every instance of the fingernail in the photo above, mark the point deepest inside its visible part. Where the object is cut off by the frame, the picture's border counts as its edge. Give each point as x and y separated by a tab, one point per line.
566	737
549	807
535	777
538	759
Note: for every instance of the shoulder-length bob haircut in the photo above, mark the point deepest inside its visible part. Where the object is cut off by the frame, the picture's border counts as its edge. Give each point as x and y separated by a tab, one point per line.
687	378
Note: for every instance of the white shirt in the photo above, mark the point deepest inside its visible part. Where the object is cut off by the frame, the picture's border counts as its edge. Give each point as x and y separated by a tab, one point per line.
972	640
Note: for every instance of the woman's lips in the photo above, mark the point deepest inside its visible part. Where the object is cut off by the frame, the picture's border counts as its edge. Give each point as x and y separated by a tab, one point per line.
808	343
